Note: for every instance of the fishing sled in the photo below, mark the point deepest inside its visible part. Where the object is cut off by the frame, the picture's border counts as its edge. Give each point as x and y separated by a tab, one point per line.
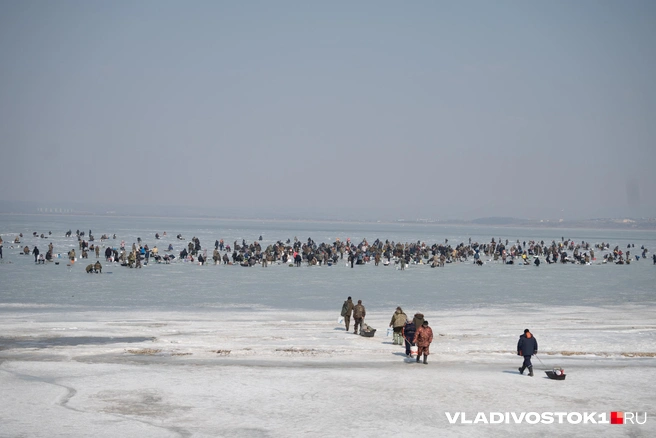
367	331
556	374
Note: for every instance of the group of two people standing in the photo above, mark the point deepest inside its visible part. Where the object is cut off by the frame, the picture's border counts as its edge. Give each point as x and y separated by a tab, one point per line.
358	311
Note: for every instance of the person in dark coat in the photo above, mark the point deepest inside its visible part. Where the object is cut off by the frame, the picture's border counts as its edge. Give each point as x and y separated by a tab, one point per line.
409	331
35	251
527	347
347	310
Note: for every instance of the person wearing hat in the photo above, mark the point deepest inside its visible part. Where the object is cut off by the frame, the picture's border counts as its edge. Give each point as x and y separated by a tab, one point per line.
347	310
527	347
398	321
423	339
408	334
418	320
359	313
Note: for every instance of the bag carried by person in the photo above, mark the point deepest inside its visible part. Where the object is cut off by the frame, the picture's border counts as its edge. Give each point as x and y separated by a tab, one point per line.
344	308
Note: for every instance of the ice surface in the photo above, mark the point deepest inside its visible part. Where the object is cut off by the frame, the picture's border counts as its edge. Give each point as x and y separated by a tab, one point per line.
276	373
184	350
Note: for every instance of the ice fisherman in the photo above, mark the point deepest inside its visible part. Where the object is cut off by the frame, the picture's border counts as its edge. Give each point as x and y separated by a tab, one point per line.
527	347
418	320
408	334
347	310
359	313
398	321
423	339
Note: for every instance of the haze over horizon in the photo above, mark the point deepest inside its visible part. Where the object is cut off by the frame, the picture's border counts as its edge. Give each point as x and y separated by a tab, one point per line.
391	110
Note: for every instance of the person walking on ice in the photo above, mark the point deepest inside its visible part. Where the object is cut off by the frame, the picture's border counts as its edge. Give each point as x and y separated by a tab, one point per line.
527	347
423	339
398	321
359	313
347	310
408	334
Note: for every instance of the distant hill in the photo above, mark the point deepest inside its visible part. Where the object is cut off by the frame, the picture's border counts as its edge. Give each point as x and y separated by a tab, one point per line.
238	212
498	221
606	223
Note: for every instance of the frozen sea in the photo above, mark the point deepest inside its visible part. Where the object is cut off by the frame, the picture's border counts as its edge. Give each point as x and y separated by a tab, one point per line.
189	350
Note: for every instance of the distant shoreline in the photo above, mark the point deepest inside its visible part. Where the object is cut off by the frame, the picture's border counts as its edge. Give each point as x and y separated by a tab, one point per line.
623	224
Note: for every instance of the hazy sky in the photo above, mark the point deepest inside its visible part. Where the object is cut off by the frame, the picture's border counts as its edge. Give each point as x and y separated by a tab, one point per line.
390	109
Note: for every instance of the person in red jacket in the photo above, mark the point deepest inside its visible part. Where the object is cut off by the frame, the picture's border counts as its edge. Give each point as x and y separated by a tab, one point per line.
423	339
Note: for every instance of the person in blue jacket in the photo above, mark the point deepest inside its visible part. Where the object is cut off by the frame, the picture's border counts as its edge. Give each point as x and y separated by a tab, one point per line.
409	331
527	347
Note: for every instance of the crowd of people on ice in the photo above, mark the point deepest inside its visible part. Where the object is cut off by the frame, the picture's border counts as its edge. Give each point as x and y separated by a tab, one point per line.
298	253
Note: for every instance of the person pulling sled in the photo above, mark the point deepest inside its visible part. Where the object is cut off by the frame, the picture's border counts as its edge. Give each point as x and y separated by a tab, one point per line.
527	347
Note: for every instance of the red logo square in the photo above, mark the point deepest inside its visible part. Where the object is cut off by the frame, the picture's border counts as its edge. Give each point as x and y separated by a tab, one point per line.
617	418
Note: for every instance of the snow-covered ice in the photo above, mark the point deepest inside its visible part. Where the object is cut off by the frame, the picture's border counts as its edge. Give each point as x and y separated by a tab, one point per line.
207	351
275	373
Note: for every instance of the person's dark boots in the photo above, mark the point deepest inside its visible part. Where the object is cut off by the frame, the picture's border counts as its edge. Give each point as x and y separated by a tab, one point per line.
425	359
530	371
418	357
521	370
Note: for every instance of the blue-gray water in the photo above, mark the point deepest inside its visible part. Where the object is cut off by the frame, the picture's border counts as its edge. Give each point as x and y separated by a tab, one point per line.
185	285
